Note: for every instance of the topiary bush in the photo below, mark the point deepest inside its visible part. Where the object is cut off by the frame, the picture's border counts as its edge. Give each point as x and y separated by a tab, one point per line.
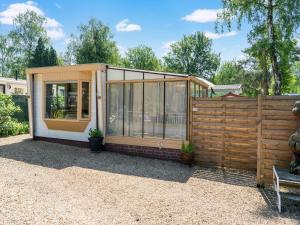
8	125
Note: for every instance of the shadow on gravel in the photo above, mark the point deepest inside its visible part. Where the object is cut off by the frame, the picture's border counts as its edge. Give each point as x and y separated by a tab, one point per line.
290	209
227	176
59	156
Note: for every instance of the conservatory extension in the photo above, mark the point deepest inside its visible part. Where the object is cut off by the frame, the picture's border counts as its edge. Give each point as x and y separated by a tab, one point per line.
140	112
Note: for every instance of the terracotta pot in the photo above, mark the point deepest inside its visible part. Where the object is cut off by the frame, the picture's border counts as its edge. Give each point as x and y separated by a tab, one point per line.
187	158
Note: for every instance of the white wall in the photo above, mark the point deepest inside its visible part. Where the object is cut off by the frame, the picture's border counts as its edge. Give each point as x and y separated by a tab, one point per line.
41	128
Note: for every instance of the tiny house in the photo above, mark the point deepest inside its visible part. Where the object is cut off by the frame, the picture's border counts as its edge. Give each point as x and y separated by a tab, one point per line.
12	86
140	112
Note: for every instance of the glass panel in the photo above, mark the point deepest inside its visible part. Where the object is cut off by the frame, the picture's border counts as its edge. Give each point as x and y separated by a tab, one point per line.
176	106
85	99
153	76
115	74
197	90
192	89
2	89
61	101
115	109
133	107
154	109
130	75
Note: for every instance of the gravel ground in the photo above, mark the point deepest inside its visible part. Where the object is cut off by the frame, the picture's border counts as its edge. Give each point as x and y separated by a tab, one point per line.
46	183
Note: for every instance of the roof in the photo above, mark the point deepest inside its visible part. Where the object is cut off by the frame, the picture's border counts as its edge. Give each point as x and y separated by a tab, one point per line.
12	80
227	87
101	66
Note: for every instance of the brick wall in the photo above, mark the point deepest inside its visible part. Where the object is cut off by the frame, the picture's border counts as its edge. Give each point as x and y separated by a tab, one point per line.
150	152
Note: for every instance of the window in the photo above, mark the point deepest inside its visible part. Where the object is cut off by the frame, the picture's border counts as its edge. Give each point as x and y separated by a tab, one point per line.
85	96
133	107
175	112
61	101
2	88
153	109
115	109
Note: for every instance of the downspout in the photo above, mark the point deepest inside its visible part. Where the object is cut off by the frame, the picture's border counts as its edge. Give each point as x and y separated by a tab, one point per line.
32	107
96	97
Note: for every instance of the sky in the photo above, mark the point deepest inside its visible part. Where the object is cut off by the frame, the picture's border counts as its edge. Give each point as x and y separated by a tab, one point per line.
155	23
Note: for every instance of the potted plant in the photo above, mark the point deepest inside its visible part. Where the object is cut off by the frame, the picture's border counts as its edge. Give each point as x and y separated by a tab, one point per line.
95	139
187	153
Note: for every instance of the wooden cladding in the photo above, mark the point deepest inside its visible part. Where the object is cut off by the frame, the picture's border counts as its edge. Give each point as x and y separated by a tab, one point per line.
243	133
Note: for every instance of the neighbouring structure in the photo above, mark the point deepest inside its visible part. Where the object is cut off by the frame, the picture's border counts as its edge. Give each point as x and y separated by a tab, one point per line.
133	108
11	86
224	90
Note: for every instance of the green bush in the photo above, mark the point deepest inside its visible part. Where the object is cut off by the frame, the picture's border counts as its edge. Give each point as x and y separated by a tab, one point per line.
95	133
8	125
13	127
187	148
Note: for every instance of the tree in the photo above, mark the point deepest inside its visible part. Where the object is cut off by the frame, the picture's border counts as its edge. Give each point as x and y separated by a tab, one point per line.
6	54
43	56
94	44
193	55
141	57
278	19
228	73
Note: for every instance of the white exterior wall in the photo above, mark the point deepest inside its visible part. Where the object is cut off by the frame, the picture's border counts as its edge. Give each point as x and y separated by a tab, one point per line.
41	128
10	87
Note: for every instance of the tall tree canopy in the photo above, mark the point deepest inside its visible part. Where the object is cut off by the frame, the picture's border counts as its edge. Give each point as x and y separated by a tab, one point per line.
193	55
94	44
278	20
43	56
141	57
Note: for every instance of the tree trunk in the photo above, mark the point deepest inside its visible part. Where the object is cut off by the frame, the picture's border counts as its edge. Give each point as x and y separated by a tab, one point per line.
273	56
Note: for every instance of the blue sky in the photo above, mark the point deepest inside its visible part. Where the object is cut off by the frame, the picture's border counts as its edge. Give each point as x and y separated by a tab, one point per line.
155	23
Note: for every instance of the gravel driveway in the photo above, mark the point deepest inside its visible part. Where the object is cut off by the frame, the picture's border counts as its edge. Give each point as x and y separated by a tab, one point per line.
46	183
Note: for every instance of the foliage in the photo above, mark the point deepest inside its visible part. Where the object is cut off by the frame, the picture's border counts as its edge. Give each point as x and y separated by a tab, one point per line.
141	57
9	126
13	127
273	20
228	73
94	44
43	56
187	148
193	55
95	133
7	108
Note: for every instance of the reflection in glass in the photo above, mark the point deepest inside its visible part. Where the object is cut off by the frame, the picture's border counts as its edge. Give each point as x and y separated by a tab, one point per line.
175	112
115	109
61	101
85	108
133	107
154	109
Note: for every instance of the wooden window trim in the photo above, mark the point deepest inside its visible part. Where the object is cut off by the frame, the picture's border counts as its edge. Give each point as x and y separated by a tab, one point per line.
79	100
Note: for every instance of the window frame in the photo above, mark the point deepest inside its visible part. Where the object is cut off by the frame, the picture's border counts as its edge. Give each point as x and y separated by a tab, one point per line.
79	100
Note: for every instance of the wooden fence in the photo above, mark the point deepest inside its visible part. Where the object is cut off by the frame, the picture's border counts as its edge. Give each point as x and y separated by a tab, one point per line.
243	133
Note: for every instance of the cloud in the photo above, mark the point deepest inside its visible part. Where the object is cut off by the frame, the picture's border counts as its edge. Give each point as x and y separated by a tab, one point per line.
167	46
217	36
202	15
125	26
53	27
122	50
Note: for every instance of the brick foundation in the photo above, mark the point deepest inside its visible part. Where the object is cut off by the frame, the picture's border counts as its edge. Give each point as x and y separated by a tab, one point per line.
149	152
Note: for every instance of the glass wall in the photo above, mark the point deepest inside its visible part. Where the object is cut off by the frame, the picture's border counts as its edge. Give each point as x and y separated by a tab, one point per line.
147	108
154	109
115	109
61	101
176	109
133	109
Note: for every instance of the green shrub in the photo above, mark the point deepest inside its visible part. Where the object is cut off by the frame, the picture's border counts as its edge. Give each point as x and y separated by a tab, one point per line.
13	127
8	125
187	148
95	133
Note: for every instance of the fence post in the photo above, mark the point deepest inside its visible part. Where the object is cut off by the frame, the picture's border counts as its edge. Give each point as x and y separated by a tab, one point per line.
259	140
